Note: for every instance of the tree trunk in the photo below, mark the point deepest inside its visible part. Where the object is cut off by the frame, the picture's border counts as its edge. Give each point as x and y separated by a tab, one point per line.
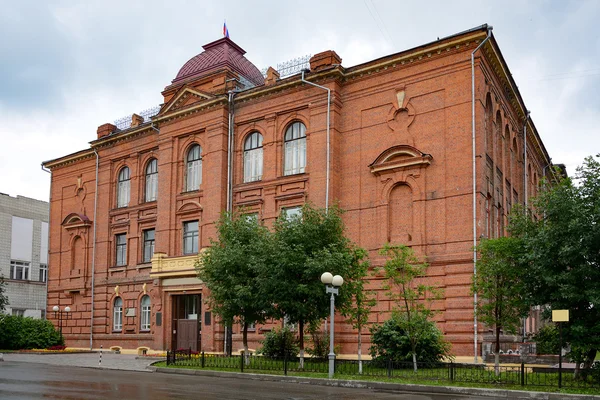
414	354
497	352
245	340
359	351
301	340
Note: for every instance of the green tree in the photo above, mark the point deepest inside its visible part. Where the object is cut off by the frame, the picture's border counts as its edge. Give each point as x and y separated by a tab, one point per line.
3	296
304	247
501	300
413	300
362	300
231	269
562	254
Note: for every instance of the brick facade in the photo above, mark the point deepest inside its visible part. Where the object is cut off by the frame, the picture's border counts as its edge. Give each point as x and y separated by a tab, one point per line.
400	165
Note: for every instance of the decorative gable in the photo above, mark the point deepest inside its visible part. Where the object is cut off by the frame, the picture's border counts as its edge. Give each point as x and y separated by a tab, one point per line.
186	96
399	157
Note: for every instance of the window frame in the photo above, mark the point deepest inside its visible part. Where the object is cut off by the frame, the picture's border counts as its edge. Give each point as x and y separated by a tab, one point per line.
123	187
148	242
145	314
193	168
20	268
117	315
43	273
294	147
193	235
151	181
292	212
253	157
120	250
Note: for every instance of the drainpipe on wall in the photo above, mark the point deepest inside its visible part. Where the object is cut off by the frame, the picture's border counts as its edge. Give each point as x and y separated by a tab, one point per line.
94	254
489	34
525	176
230	145
328	146
48	251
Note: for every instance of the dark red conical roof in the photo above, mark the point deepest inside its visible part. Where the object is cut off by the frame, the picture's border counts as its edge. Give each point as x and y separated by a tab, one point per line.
217	55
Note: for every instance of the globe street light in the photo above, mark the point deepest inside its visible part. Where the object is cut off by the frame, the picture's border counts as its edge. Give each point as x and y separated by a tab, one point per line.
335	282
66	311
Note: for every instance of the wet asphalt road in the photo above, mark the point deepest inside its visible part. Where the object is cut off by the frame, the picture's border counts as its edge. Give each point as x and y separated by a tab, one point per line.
19	380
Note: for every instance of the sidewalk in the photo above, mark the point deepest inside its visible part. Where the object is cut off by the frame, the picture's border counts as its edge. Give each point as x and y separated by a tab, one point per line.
110	360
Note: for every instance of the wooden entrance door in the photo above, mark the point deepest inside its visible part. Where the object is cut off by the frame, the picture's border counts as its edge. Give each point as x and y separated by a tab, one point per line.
186	322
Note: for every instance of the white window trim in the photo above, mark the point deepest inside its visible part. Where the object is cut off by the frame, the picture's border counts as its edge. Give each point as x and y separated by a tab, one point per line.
23	266
118	315
145	314
123	188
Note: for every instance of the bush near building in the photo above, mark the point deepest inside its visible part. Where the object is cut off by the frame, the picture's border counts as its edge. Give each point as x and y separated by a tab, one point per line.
18	333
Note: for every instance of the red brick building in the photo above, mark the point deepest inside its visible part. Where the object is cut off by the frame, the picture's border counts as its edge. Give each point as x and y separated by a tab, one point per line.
129	214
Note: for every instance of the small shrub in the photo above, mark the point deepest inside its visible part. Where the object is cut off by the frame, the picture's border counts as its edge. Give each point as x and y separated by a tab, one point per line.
18	333
320	345
389	341
547	340
279	343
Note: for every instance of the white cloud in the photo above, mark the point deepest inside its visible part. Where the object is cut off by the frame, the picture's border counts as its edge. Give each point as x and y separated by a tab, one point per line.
70	67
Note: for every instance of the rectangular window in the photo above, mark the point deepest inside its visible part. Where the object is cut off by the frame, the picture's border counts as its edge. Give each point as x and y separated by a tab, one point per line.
43	273
253	165
123	194
190	237
148	245
17	312
145	316
118	318
19	270
121	250
251	217
295	157
292	213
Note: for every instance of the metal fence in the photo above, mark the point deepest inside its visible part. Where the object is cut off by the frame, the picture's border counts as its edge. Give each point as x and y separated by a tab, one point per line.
506	375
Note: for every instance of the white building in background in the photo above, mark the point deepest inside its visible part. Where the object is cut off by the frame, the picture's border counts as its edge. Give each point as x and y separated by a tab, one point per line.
24	254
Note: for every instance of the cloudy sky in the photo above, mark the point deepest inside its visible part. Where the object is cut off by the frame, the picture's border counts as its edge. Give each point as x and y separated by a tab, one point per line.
69	66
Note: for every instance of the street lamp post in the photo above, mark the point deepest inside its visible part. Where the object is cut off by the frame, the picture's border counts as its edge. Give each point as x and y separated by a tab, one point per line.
335	282
59	312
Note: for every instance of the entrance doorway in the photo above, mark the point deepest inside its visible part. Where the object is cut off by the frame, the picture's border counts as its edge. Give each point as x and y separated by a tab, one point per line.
186	322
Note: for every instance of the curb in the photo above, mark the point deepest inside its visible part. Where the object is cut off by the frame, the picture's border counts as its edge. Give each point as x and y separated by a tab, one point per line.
383	386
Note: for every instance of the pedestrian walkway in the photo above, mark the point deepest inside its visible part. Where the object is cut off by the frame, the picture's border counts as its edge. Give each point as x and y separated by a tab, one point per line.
111	360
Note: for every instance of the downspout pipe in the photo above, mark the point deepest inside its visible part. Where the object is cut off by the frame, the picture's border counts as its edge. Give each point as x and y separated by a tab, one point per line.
525	175
526	200
230	142
328	140
489	34
48	259
94	254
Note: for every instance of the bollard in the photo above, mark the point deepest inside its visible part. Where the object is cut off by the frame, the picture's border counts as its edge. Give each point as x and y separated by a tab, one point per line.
100	359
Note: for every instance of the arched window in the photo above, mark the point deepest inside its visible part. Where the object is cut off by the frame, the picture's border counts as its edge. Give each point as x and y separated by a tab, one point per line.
295	149
253	157
488	125
123	188
118	314
193	168
151	180
145	313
